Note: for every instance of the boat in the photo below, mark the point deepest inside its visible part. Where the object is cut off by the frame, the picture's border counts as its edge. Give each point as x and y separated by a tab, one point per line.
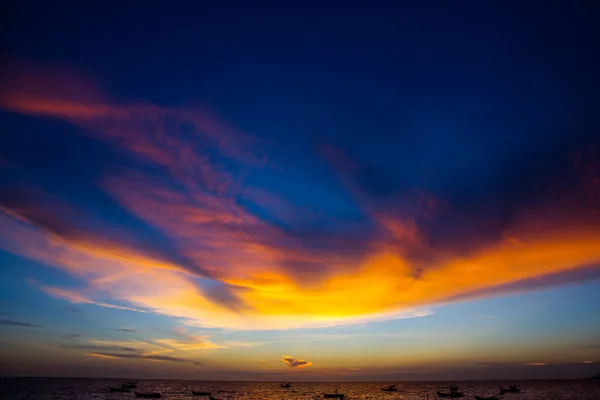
148	395
453	393
390	388
286	385
129	385
494	397
335	395
199	393
118	389
511	389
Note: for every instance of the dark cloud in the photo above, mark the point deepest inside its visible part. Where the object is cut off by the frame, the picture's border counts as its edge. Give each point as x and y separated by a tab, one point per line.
589	273
92	347
463	208
223	294
125	330
295	363
72	336
18	323
147	357
73	309
68	222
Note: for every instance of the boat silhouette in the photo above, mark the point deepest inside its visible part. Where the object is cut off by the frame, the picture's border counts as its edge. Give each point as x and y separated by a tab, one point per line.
148	395
335	395
119	389
390	388
511	389
453	393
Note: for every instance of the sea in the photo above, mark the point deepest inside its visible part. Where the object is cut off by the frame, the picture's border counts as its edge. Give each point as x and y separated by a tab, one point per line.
97	389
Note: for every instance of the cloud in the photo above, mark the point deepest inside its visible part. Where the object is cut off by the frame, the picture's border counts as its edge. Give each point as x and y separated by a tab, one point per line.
71	336
178	229
76	297
199	343
125	329
354	369
295	363
583	274
18	323
144	357
239	343
536	364
97	347
151	350
492	364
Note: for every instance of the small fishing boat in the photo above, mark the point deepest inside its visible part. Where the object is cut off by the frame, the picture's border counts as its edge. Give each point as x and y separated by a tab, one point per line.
335	395
511	389
129	385
453	393
199	393
390	388
118	389
148	395
286	385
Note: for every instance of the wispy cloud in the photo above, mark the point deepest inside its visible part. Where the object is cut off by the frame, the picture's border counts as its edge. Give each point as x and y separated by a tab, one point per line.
151	350
144	357
295	363
76	297
238	343
12	322
125	330
72	336
97	347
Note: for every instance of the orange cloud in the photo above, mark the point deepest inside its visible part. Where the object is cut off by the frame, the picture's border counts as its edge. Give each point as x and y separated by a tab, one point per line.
234	269
295	363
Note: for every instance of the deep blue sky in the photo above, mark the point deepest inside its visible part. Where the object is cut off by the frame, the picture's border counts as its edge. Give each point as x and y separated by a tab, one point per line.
200	175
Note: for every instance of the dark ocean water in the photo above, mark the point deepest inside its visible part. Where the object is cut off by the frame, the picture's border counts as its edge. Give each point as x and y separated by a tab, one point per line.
97	389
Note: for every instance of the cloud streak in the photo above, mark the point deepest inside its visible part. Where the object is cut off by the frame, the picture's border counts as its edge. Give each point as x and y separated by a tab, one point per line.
11	322
152	350
144	357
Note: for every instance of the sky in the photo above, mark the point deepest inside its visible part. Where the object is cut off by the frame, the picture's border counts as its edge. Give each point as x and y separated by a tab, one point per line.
308	192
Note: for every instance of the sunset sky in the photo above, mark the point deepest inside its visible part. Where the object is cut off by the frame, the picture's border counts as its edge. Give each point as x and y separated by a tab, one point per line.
305	192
